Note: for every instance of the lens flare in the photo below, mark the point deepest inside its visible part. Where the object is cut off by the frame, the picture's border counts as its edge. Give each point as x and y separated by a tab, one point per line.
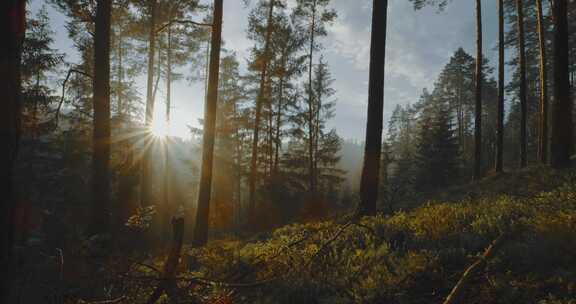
159	129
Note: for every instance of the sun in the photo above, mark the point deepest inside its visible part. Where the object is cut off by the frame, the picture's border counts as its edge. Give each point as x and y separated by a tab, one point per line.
159	129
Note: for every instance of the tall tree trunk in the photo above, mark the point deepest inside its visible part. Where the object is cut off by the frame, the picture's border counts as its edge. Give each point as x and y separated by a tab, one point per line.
120	75
543	134
145	171
311	160
523	100
12	30
200	237
101	137
166	201
561	139
278	139
478	95
371	168
257	116
501	63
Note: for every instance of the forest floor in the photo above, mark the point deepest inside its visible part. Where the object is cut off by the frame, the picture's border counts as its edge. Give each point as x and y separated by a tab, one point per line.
417	256
410	257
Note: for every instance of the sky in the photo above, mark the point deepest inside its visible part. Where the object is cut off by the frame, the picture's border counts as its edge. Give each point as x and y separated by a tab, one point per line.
419	44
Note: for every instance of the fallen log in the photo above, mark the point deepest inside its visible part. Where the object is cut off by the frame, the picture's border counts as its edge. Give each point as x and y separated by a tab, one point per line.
457	292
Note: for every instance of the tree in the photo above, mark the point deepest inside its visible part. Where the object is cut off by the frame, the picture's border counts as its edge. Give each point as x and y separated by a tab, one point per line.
200	237
437	156
12	32
478	95
38	58
500	119
145	171
313	15
523	101
371	167
264	60
101	136
543	130
561	140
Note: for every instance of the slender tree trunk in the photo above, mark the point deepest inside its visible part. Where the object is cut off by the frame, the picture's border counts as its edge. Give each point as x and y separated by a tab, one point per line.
543	134
270	136
145	171
371	168
200	237
169	75
278	138
120	76
478	95
12	30
311	160
257	116
523	101
167	203
561	140
101	137
158	74
500	122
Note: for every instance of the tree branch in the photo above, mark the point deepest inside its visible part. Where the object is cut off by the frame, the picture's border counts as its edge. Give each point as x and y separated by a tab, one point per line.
57	117
190	22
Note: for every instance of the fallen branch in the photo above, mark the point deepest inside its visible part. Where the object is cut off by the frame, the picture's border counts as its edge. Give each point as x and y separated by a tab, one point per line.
330	241
168	279
455	295
117	300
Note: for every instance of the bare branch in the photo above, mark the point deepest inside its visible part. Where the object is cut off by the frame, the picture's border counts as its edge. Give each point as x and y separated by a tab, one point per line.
186	22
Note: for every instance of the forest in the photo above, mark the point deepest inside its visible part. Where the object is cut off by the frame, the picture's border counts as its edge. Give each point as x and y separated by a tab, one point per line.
208	151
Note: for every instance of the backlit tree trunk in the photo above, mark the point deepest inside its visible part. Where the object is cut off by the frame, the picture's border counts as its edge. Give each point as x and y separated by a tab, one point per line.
101	135
561	139
203	207
145	170
257	117
371	167
12	29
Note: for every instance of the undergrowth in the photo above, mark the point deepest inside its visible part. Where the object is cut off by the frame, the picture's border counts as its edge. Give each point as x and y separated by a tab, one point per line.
408	257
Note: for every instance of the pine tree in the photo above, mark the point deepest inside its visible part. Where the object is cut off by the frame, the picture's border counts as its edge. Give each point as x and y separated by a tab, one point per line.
200	236
11	12
370	170
312	16
437	153
101	137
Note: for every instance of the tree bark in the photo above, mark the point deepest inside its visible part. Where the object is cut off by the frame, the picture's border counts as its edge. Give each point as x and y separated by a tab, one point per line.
523	101
278	139
12	30
101	136
543	134
501	63
561	139
257	116
200	236
311	131
145	171
478	95
371	166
